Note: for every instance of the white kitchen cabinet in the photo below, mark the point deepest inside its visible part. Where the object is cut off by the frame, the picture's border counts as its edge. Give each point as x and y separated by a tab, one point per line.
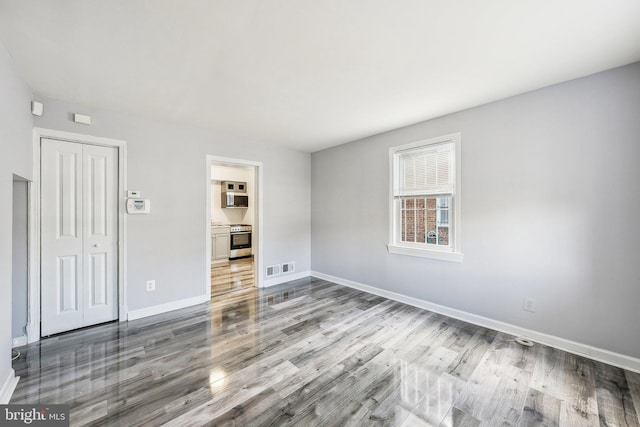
220	243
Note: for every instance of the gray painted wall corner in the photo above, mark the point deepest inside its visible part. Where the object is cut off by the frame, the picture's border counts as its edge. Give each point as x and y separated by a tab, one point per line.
550	203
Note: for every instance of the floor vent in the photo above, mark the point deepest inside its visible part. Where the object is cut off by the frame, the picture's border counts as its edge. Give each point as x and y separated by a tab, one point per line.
273	270
289	267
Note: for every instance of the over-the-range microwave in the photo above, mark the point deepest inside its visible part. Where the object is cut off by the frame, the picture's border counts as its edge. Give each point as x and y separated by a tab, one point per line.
234	194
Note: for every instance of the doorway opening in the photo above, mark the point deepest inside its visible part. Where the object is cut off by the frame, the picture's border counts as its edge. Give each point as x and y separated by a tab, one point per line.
20	261
233	225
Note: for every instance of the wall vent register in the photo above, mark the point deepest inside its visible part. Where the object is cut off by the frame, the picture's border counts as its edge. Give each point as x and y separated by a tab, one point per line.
288	267
273	270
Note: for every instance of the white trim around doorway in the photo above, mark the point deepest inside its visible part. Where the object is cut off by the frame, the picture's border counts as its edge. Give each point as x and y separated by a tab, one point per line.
33	322
257	228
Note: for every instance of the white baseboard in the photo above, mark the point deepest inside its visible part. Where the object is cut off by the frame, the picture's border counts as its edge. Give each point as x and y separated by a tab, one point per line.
163	308
19	341
595	353
8	386
285	278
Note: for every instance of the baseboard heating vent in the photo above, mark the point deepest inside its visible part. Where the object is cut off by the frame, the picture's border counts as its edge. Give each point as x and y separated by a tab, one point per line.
273	270
289	267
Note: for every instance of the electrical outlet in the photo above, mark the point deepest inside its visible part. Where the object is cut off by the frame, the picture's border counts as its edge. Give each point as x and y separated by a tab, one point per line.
529	305
151	285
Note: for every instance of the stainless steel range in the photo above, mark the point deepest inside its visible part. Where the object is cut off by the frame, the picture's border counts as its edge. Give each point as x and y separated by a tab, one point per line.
240	241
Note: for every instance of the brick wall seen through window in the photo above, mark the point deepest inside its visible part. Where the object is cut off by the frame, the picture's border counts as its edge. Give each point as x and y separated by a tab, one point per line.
425	220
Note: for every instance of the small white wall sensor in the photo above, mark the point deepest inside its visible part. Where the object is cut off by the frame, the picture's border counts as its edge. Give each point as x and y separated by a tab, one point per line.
81	118
134	193
138	206
36	108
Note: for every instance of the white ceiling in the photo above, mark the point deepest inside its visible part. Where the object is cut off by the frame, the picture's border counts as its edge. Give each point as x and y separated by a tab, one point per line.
310	74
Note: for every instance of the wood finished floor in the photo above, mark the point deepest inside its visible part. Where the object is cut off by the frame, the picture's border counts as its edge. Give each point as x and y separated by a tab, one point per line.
315	353
232	276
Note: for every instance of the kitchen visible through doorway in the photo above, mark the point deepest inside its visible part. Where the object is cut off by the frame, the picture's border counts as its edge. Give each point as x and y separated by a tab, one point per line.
234	225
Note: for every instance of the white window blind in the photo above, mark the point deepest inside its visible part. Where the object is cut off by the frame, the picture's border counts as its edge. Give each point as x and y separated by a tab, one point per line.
425	171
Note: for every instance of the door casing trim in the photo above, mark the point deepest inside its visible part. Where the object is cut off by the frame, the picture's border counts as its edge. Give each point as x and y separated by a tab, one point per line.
33	322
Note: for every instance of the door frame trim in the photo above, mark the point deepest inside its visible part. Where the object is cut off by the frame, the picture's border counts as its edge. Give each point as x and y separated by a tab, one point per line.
258	168
33	325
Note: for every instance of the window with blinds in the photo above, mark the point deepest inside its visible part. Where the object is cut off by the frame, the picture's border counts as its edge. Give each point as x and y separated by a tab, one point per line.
425	171
424	197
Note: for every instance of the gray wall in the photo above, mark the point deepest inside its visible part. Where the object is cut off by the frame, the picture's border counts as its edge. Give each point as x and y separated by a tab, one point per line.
550	210
167	163
15	145
20	255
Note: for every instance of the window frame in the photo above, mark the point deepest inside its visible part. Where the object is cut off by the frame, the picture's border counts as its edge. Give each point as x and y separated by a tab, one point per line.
453	252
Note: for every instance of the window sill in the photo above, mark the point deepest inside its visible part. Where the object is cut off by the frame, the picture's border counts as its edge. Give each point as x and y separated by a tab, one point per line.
426	253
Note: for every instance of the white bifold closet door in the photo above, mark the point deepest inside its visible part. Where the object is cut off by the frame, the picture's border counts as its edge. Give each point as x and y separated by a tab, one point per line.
79	235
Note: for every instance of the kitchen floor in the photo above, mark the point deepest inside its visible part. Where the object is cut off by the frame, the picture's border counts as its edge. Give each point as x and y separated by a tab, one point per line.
235	275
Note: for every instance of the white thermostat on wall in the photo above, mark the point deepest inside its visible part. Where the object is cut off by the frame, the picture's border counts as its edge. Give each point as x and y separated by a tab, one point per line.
138	206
